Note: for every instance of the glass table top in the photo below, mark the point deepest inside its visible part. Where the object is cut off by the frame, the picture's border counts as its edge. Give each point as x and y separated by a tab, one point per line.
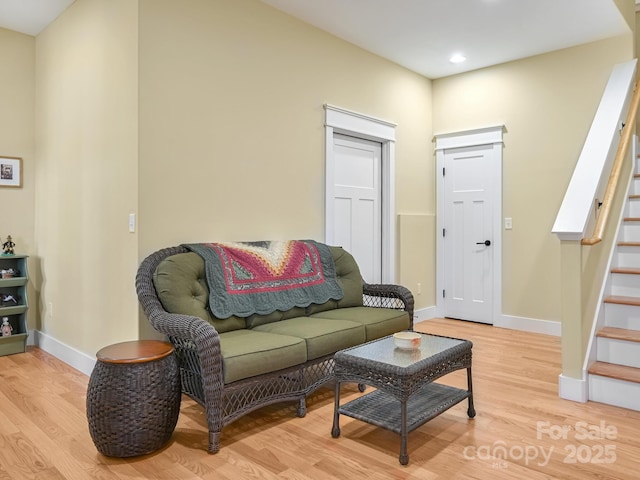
385	351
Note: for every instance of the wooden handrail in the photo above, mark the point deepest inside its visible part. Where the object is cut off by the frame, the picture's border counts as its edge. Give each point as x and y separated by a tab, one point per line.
614	177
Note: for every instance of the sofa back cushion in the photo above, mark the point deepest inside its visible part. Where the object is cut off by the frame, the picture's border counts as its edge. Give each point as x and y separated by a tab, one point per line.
349	279
256	319
181	286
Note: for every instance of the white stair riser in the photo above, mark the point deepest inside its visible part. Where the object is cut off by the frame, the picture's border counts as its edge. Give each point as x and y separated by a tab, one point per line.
634	207
614	392
625	284
627	257
622	316
620	352
631	231
634	189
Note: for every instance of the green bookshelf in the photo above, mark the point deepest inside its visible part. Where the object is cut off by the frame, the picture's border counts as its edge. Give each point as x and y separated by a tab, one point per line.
13	302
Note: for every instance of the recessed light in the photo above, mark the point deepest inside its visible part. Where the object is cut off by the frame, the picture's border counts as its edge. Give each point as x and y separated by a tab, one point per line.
457	58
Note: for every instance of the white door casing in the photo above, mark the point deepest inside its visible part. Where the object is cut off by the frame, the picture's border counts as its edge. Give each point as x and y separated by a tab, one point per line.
341	121
469	190
357	209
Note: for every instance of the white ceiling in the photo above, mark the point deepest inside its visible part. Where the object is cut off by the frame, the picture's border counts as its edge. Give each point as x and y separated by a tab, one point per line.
30	16
423	34
418	34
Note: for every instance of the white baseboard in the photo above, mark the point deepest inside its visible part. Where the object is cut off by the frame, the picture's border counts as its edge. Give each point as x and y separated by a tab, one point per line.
533	325
574	389
423	314
524	324
78	360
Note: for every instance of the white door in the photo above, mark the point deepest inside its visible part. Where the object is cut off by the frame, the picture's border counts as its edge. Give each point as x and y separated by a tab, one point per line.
357	205
469	185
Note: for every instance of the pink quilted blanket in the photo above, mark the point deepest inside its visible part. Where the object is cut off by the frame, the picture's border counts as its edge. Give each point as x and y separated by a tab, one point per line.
260	277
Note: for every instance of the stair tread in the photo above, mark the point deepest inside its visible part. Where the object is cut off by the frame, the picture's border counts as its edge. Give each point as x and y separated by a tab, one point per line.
611	370
619	334
623	300
635	197
629	244
627	270
632	219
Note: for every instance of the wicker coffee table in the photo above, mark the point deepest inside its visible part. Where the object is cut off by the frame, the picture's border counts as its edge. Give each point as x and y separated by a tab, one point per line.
405	396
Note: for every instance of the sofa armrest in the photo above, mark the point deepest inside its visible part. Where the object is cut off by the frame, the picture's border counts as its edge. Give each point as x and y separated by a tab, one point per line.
184	329
388	296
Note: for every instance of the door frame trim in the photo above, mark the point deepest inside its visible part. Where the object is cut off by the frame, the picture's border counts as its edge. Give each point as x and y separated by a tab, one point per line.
470	138
354	124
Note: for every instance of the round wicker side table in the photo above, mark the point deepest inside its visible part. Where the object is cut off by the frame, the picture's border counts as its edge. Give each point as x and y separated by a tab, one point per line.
133	398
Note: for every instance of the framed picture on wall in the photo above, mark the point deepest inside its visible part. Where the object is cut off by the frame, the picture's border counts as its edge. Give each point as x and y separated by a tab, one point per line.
10	172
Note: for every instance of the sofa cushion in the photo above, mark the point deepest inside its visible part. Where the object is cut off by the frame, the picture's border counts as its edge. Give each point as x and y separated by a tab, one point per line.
349	279
378	322
182	288
322	336
247	353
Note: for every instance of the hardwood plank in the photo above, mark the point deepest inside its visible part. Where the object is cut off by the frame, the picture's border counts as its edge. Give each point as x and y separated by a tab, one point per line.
623	300
619	334
44	433
611	370
629	271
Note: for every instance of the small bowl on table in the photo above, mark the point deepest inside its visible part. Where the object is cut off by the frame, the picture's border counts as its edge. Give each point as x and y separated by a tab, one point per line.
407	340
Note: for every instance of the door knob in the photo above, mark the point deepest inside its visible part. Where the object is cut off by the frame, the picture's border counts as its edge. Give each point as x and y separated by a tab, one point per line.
486	242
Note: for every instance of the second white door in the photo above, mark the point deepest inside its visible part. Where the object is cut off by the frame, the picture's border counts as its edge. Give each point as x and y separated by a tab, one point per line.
357	202
469	192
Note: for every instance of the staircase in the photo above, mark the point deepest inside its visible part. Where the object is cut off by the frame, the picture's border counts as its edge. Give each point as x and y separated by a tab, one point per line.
614	378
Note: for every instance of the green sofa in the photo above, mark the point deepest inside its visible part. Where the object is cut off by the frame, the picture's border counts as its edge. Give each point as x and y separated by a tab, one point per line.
235	365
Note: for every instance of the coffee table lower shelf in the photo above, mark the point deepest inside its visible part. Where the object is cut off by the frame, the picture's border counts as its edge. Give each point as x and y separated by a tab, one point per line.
406	395
383	409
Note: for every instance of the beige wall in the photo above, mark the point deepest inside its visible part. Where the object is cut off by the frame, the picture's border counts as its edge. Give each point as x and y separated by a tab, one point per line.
628	11
17	96
87	177
637	27
547	104
231	123
220	137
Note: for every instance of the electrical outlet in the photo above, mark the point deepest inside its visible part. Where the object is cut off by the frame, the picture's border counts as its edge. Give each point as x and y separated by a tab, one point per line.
508	224
419	289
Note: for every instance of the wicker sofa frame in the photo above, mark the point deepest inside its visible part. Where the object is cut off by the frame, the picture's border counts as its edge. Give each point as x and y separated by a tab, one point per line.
197	345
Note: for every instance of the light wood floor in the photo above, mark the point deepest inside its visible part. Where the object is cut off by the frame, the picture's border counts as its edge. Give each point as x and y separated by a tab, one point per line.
522	429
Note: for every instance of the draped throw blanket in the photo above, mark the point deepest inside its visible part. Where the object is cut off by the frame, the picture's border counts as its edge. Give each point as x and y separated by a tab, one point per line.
261	277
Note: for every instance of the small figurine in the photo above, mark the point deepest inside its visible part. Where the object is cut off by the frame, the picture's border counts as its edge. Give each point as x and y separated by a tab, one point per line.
10	273
8	299
7	247
6	327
